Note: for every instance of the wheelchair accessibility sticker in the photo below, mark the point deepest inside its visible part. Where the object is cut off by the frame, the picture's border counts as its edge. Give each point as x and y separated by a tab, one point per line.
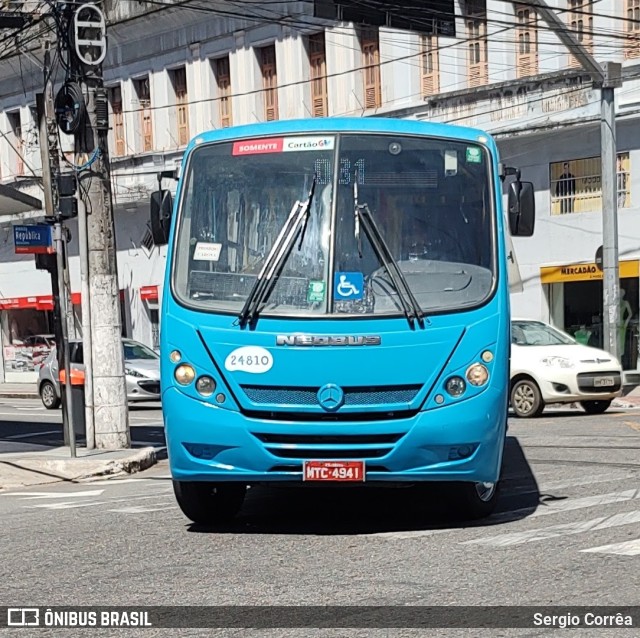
348	286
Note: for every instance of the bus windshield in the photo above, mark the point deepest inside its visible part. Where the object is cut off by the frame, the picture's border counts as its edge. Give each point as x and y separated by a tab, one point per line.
430	199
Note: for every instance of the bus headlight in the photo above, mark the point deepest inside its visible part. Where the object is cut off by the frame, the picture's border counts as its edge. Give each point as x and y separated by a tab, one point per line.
184	374
455	386
206	386
477	374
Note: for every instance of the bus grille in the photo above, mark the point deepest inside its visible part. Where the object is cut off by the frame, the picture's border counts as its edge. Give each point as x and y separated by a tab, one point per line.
317	446
329	439
307	396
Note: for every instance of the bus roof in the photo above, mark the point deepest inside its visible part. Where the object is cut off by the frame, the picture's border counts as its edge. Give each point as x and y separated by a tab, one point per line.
345	124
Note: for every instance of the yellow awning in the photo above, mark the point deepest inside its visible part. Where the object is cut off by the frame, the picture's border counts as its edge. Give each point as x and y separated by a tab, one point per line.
584	272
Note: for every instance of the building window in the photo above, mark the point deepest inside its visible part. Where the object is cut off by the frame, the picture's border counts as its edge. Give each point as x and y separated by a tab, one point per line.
370	44
632	48
117	120
318	72
16	141
576	185
478	68
222	73
143	92
179	78
527	41
269	82
430	65
581	24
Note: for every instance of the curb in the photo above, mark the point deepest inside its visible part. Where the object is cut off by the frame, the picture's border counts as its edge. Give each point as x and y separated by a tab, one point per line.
144	459
19	395
37	471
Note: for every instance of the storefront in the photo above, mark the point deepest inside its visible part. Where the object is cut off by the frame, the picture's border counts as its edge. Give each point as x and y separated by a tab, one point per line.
27	336
575	302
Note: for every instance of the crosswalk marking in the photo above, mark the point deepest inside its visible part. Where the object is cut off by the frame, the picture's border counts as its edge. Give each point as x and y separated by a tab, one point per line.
68	505
140	510
627	548
554	507
30	496
30	435
555	531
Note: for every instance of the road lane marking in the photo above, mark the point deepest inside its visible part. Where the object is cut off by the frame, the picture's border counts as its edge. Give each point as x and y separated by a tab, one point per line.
111	501
543	509
556	531
627	548
16	437
569	504
141	510
633	425
29	496
65	506
562	485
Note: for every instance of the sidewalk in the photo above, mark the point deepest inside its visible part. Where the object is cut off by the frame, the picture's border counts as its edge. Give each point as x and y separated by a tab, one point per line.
56	464
19	391
629	400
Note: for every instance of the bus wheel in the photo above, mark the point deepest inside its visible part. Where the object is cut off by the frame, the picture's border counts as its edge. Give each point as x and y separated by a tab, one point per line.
209	503
471	501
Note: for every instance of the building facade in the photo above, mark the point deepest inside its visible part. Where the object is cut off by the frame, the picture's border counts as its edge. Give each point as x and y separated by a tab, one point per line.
173	72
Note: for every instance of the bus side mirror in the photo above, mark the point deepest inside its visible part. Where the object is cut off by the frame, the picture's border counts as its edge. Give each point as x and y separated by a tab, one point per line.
522	209
160	210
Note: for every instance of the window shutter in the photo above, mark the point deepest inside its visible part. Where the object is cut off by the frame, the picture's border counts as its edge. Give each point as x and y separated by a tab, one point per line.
632	47
270	83
182	104
430	66
371	70
318	68
146	123
581	23
478	70
223	78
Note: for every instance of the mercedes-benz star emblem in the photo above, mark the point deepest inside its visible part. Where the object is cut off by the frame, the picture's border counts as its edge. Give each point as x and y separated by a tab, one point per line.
330	397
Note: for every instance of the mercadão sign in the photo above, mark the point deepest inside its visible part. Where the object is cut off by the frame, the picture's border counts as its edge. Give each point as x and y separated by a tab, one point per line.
33	240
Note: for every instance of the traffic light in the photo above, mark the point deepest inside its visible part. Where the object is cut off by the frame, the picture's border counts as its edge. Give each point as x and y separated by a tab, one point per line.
67	202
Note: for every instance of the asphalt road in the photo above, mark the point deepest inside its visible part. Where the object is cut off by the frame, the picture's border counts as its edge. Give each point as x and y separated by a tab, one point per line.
27	426
567	533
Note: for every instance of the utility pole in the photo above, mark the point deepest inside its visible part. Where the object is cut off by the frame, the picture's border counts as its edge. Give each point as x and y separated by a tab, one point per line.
49	154
607	79
110	411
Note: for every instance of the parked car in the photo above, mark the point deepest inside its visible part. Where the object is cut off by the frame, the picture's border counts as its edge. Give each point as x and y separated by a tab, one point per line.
142	369
549	366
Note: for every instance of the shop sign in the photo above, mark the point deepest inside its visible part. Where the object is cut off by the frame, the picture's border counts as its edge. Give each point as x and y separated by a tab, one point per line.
33	240
24	358
585	272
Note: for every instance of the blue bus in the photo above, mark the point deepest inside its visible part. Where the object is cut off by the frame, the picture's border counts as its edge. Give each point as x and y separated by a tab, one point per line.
336	309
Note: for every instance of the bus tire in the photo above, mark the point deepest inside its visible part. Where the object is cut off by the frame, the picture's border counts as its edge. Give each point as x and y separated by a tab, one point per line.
208	503
471	501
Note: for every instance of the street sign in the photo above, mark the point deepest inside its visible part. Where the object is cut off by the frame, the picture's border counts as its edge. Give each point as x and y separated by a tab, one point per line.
33	240
598	258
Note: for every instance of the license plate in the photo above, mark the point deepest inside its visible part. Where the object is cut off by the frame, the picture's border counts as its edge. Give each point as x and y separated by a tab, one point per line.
333	471
603	382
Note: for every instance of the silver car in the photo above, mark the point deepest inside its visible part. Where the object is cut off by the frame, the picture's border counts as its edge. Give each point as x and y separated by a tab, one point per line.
142	369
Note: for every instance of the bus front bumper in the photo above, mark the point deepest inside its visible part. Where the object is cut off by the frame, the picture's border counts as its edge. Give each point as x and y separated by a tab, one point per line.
459	442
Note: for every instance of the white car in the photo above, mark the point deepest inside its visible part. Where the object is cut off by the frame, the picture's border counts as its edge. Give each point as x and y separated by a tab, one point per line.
549	366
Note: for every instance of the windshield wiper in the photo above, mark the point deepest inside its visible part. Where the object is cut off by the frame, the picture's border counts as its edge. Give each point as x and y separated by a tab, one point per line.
363	217
295	226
